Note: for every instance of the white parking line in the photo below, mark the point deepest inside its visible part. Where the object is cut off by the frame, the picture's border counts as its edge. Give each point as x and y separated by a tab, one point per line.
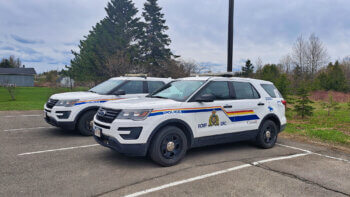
21	129
59	149
212	174
319	154
292	147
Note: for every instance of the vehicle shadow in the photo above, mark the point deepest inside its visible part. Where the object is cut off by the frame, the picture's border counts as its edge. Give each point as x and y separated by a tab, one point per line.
196	156
58	132
122	160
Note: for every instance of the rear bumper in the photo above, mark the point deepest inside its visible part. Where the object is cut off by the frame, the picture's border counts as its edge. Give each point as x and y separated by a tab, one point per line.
127	149
63	125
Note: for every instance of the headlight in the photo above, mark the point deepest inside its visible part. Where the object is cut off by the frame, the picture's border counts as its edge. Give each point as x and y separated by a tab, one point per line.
134	114
66	103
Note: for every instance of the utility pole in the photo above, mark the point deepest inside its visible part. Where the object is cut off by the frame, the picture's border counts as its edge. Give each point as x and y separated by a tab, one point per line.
230	36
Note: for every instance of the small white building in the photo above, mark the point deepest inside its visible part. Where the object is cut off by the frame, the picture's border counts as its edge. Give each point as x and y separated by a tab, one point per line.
66	82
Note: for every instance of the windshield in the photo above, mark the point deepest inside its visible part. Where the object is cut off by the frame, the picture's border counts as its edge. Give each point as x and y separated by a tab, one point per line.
178	90
106	87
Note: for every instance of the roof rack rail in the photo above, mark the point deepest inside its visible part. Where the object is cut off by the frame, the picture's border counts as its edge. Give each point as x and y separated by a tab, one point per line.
136	75
226	74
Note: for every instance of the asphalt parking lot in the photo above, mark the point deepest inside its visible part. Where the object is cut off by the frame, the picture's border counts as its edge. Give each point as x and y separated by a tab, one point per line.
39	160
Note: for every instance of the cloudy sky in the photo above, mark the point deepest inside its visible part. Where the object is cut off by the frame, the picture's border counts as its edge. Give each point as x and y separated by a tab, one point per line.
43	32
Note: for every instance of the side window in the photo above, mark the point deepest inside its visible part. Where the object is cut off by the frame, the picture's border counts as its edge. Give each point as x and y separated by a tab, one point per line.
133	87
245	90
271	90
219	89
154	85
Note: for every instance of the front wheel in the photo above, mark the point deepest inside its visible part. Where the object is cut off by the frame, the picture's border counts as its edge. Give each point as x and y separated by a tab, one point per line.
267	135
169	146
84	124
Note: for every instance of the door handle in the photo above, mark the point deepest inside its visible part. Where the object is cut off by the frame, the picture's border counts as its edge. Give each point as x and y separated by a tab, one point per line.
228	106
261	104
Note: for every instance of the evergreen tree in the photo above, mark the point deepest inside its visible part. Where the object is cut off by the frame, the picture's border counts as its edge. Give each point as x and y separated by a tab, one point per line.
269	72
303	103
331	105
5	63
333	78
297	77
119	31
283	85
248	69
155	42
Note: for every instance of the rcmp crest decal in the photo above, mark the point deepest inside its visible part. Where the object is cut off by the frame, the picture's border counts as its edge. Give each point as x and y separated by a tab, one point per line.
214	119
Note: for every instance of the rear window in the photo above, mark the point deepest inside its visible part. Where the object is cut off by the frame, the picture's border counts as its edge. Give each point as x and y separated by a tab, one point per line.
271	90
244	90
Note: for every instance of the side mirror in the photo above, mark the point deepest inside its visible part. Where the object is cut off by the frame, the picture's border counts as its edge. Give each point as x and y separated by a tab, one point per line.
120	92
206	98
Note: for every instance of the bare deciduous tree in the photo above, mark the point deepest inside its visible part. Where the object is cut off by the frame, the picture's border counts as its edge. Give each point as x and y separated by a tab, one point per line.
299	53
316	54
286	62
259	64
309	55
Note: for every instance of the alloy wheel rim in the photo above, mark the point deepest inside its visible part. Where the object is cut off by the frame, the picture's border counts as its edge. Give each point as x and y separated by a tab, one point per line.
269	135
171	146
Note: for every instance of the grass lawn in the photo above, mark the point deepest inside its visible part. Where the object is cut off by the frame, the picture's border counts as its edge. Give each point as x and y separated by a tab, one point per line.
29	98
333	129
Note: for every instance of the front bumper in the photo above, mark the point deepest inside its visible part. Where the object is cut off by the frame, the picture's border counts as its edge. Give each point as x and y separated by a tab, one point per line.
63	125
127	149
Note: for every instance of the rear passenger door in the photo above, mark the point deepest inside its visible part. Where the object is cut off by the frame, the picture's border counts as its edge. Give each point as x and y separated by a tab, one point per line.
248	107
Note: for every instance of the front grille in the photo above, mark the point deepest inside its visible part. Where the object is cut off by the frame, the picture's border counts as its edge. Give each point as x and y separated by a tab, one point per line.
51	103
107	115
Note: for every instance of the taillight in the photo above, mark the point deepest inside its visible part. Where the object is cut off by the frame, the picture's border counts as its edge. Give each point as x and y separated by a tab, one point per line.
284	102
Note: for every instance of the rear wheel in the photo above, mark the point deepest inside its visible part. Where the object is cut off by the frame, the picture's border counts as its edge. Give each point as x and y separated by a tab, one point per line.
267	136
84	123
169	146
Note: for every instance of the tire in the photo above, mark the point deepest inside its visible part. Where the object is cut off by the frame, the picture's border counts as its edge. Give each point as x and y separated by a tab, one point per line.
83	125
267	135
168	146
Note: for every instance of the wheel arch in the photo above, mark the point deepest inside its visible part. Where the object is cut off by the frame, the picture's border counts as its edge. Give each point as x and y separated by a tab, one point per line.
177	123
77	118
272	117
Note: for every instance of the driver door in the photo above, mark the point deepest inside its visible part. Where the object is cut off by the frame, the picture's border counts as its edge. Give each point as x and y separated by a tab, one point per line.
210	117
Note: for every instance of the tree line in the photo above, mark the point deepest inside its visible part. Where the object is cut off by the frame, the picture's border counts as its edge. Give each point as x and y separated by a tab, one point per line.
11	62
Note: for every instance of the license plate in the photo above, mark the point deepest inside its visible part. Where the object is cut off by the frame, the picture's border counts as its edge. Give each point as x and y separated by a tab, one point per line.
98	132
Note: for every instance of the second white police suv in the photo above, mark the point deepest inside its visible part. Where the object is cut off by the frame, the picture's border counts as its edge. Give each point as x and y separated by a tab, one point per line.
75	110
192	112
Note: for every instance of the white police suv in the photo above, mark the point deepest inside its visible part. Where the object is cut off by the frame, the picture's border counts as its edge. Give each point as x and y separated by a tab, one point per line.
75	110
192	112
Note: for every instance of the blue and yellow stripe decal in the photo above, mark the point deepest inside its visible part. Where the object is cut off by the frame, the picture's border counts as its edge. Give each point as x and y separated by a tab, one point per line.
95	101
234	116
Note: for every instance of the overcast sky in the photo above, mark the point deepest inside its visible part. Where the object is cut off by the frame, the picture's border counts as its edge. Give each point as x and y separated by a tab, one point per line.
42	32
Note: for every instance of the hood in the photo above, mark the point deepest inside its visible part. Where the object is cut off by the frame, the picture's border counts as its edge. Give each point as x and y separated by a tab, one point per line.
142	103
75	95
